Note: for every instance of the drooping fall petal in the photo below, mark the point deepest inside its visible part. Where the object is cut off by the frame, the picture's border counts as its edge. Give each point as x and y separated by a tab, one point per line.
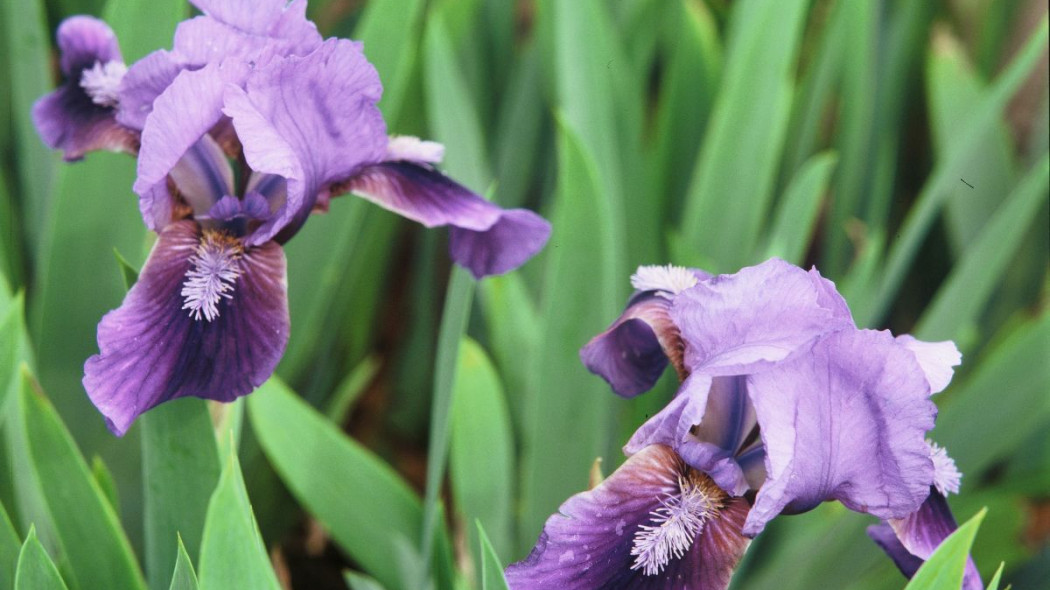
153	350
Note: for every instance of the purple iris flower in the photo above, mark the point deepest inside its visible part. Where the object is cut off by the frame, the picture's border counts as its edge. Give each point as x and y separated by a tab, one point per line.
80	116
783	401
911	540
655	523
247	126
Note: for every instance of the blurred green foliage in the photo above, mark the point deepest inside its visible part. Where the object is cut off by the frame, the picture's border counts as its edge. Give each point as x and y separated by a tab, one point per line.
899	145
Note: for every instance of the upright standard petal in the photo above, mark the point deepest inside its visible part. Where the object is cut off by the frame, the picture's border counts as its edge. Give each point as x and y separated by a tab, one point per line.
311	120
277	19
653	524
483	237
845	422
911	540
145	81
79	116
741	323
153	350
181	115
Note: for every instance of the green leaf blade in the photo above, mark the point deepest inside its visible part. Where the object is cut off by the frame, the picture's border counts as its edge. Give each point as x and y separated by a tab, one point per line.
95	546
584	291
481	461
492	577
27	36
232	551
183	578
364	504
973	280
943	181
1017	369
93	543
180	467
733	179
36	571
796	217
10	547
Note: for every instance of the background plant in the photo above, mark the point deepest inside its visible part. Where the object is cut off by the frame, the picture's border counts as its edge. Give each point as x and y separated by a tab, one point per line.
901	146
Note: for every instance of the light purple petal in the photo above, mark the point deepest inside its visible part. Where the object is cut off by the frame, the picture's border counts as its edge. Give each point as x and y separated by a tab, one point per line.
251	16
152	351
412	149
145	81
203	40
276	19
749	321
483	238
312	120
255	206
181	115
729	416
911	540
846	422
630	354
935	358
671	425
828	296
587	545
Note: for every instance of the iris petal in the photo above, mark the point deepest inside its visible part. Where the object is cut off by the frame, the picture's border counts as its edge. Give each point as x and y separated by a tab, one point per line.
181	115
152	351
633	352
935	358
277	19
846	422
588	543
145	81
516	237
203	175
885	538
483	238
312	120
749	321
670	426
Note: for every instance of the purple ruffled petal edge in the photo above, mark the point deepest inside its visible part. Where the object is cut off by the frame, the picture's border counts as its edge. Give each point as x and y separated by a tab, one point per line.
751	320
845	422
